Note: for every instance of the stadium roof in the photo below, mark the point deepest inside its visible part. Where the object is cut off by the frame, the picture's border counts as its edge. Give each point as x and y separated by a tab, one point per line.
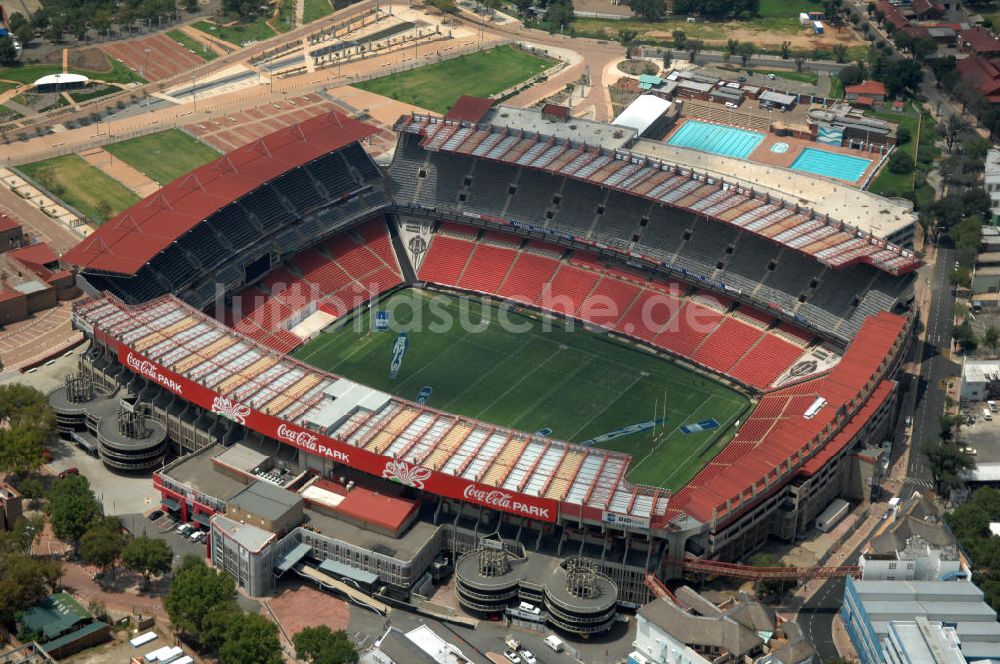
213	366
127	242
596	153
783	441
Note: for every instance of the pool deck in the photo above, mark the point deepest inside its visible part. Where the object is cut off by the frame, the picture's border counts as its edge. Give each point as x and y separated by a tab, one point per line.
762	153
880	216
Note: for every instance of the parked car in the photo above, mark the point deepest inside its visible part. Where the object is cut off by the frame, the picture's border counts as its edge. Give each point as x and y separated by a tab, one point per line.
69	471
528	657
154	515
512	657
741	79
771	76
185	529
512	643
197	536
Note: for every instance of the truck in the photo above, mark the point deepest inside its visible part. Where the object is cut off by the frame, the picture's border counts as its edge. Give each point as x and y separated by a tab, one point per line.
832	515
818	27
554	642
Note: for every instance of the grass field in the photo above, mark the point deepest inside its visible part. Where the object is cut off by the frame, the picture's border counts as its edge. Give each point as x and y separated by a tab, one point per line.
577	383
164	156
193	45
315	10
238	34
887	183
118	73
82	186
436	87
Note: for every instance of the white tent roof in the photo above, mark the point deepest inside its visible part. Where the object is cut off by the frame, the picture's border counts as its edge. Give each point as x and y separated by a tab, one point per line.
61	79
642	112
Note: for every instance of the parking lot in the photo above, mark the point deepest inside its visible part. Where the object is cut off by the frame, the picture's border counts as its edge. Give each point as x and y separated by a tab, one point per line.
982	435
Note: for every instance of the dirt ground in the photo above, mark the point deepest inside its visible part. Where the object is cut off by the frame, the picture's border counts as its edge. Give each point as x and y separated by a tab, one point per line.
803	40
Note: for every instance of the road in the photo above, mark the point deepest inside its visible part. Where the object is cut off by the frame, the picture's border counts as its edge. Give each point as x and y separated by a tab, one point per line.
935	366
816	615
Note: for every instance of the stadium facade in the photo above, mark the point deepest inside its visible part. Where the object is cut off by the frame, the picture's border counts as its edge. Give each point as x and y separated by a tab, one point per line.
808	313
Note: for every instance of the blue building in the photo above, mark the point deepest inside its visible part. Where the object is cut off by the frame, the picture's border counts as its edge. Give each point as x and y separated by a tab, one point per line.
897	621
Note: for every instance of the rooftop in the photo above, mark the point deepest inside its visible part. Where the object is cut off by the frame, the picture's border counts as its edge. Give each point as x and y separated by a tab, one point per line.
250	537
128	241
866	88
54	615
265	500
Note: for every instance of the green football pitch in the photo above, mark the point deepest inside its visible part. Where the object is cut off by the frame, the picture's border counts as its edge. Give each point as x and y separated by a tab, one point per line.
522	370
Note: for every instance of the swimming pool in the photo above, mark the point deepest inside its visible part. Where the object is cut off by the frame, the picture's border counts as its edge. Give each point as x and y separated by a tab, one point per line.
831	164
717	139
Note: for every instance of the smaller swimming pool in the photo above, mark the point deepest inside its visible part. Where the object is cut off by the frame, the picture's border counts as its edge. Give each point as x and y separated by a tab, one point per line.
831	164
717	139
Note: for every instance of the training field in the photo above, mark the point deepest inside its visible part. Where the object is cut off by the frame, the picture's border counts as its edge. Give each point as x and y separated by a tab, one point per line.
81	185
164	156
578	383
436	87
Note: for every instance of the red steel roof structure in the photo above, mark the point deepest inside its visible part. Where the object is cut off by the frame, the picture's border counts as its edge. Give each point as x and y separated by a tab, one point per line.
131	239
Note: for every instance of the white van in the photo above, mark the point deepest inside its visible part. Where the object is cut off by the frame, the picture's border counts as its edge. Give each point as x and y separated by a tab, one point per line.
554	642
987	415
992	406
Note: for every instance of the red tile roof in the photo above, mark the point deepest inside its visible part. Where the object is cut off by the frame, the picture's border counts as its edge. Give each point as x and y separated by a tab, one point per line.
35	257
7	223
892	14
981	74
979	40
925	7
6	295
469	109
866	88
127	242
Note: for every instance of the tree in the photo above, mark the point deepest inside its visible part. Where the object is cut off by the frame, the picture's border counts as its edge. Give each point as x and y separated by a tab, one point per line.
492	5
322	645
103	209
963	333
191	6
8	53
746	51
560	13
25	34
103	542
680	39
147	556
903	135
668	58
196	591
991	338
900	163
15	21
28	422
772	587
627	36
217	624
922	48
72	508
871	8
947	464
443	6
799	63
951	128
839	53
24	579
251	639
695	47
648	10
786	49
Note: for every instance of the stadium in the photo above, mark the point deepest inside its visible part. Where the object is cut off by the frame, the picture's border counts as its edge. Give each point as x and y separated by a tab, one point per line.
701	360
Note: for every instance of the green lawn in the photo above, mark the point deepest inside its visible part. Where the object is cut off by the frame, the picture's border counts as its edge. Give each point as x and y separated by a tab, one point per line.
118	73
164	156
888	183
316	9
93	92
836	87
577	383
437	86
238	34
810	77
82	186
193	45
